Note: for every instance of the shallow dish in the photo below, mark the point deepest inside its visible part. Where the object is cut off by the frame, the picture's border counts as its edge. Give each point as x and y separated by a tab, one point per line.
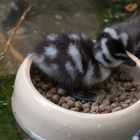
44	120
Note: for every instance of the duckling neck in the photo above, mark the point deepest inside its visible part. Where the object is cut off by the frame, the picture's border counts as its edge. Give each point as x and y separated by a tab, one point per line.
96	73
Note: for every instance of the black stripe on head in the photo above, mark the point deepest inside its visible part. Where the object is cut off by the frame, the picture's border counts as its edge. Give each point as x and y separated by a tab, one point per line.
116	49
103	35
119	57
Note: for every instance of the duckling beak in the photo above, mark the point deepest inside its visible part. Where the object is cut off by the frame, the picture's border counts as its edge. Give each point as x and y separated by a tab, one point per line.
130	62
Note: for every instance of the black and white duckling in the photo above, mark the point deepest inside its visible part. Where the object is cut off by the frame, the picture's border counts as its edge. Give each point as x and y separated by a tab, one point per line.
75	62
132	28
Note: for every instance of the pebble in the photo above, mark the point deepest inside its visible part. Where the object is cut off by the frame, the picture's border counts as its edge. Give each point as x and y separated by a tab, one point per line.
75	109
86	105
134	100
49	96
108	109
127	101
114	105
101	108
62	99
127	86
105	102
138	88
123	97
70	103
53	90
94	109
78	104
86	110
124	105
116	109
138	95
61	92
55	98
45	87
65	106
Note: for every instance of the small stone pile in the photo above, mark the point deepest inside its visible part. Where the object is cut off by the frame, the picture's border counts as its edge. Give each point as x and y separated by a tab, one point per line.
118	92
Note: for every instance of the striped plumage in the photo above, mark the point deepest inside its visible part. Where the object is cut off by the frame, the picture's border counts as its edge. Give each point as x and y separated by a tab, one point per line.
132	28
75	61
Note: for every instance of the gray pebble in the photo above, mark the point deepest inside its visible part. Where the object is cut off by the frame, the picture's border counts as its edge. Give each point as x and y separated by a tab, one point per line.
86	105
113	105
138	95
53	90
78	104
75	109
116	109
124	105
86	110
66	106
45	87
127	86
71	103
105	102
61	92
55	98
94	109
127	101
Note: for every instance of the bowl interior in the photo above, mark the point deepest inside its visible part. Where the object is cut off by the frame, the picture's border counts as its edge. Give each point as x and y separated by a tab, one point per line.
132	71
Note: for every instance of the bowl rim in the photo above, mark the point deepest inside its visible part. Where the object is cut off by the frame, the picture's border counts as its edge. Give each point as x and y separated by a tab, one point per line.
67	111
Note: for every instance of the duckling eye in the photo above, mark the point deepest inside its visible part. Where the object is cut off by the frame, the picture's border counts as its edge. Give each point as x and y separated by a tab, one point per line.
105	35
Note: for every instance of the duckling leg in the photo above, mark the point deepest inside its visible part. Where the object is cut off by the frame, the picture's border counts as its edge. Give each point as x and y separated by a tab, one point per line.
76	91
84	95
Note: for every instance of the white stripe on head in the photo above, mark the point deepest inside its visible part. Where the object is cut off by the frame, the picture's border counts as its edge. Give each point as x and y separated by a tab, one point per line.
51	51
114	62
105	51
112	32
76	56
70	69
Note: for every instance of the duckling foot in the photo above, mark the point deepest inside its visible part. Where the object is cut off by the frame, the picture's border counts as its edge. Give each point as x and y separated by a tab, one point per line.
82	95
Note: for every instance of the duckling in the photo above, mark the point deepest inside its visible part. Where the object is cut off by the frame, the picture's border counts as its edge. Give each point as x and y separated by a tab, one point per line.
132	28
76	62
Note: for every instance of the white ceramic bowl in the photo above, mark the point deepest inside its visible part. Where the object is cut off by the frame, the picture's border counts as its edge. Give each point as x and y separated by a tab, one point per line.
44	120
